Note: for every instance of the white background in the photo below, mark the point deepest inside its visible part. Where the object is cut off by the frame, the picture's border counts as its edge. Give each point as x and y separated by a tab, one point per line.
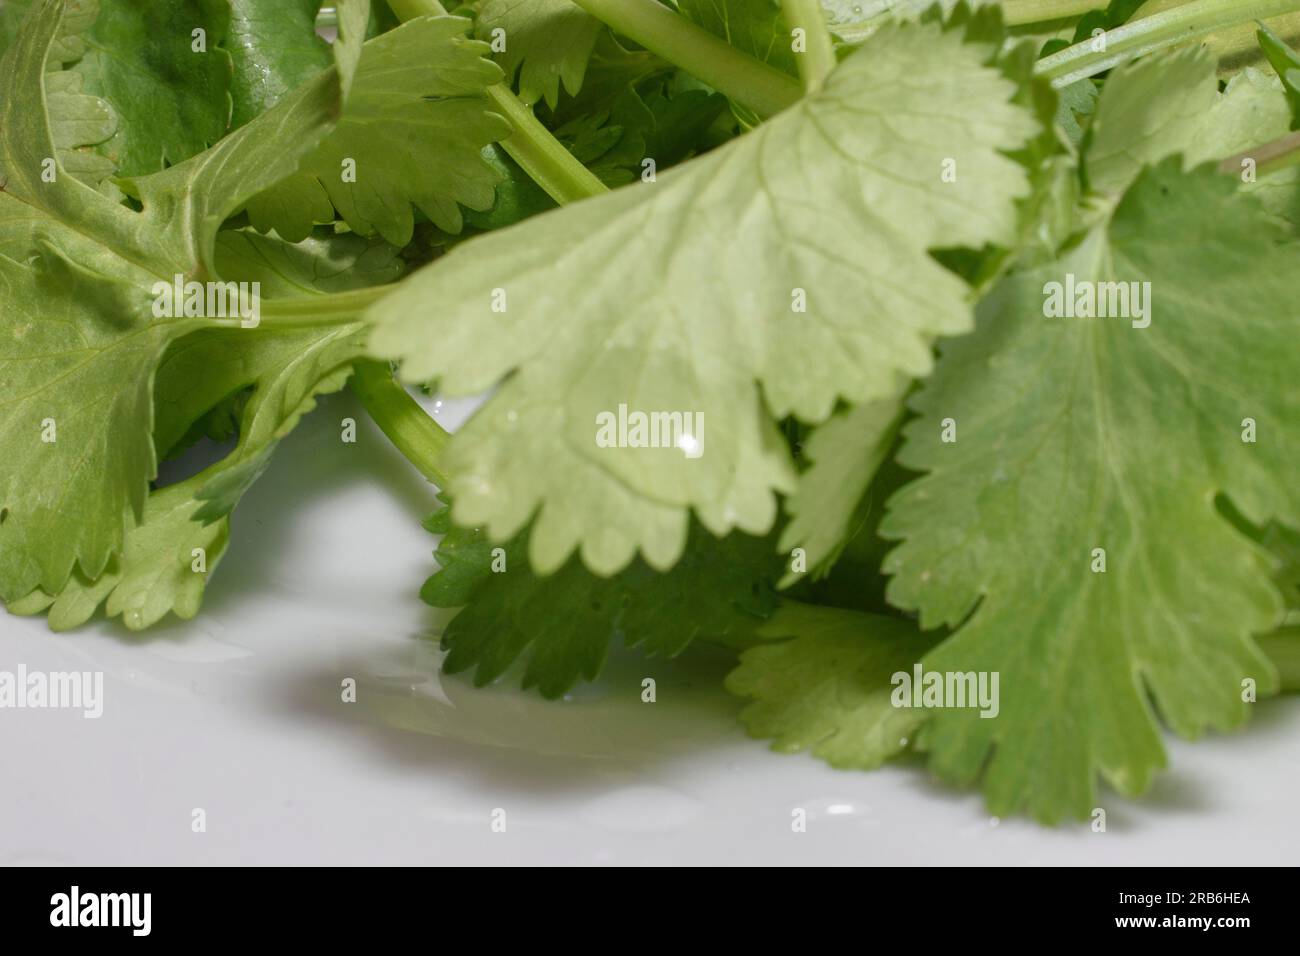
239	713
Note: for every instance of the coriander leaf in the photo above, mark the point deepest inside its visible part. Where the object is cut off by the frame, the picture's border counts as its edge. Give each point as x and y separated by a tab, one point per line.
1082	434
828	689
844	453
546	42
653	123
1077	102
1170	103
649	297
169	86
563	624
756	27
277	375
207	394
855	20
324	262
412	133
190	201
283	367
611	70
517	195
1115	14
158	571
1284	543
78	121
78	338
70	43
1286	63
273	48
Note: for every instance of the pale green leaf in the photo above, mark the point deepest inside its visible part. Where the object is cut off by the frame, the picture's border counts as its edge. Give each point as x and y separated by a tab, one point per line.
547	42
156	572
1162	105
78	338
412	134
652	296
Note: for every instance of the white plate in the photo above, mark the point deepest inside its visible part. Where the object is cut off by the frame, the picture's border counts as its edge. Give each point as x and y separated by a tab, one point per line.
239	713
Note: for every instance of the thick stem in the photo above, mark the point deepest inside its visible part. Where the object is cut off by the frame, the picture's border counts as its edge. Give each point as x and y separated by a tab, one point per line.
309	311
817	58
1017	12
530	144
1283	648
539	154
1170	28
748	81
418	437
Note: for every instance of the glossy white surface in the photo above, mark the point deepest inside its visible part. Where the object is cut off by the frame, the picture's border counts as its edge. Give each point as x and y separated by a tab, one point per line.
239	713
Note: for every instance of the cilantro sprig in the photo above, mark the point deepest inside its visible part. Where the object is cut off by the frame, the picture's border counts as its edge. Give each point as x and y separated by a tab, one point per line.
822	248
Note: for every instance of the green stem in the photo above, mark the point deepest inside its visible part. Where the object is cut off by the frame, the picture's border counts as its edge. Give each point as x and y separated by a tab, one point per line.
748	81
817	59
418	437
541	155
1270	158
1156	32
1018	12
530	144
1283	648
311	311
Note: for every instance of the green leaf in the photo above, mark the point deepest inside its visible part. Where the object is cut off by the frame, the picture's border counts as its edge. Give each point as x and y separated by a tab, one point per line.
756	27
1116	14
547	42
70	43
413	133
1171	103
276	375
324	262
1286	63
204	392
283	367
563	624
78	339
174	101
855	20
273	49
651	123
844	454
649	297
517	195
78	121
828	689
156	573
1083	434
